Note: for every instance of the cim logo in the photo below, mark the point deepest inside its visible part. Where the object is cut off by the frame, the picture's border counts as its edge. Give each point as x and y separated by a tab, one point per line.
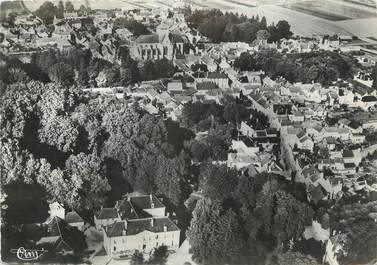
28	254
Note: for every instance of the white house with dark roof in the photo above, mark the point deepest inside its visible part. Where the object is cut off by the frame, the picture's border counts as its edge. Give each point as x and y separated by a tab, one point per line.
142	226
123	238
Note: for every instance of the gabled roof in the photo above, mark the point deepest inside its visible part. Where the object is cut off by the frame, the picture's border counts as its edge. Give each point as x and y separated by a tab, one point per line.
133	227
261	133
309	171
145	202
150	38
126	210
206	85
247	141
156	226
349	165
369	99
348	153
61	234
305	138
354	124
115	229
176	38
217	75
330	140
73	217
271	131
107	213
301	134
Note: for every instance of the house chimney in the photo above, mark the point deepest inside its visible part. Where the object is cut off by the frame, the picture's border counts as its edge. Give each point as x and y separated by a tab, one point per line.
151	199
165	228
152	222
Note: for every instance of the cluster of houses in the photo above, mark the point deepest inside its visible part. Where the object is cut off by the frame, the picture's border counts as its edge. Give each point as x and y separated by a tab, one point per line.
317	135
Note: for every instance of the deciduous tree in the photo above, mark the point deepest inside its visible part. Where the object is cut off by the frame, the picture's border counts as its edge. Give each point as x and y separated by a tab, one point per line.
215	235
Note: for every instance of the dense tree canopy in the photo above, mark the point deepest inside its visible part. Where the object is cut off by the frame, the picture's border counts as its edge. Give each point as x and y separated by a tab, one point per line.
322	66
47	11
69	8
356	221
217	181
219	26
215	234
268	212
135	27
77	148
62	73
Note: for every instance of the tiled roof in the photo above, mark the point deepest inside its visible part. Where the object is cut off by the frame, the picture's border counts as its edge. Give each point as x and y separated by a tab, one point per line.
58	231
145	202
136	226
271	131
176	38
126	211
217	75
354	124
107	213
150	38
247	141
261	133
310	171
330	140
303	139
115	229
155	225
349	165
369	99
73	217
301	134
206	86
348	153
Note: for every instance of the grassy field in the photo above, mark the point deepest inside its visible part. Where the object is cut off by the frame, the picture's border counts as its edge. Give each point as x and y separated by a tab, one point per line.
368	3
241	3
317	13
332	10
366	27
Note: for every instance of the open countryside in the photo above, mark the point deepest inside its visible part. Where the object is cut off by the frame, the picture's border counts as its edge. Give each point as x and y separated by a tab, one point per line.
307	18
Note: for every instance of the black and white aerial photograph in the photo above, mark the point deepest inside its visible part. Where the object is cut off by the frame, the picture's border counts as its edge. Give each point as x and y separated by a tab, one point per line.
188	132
